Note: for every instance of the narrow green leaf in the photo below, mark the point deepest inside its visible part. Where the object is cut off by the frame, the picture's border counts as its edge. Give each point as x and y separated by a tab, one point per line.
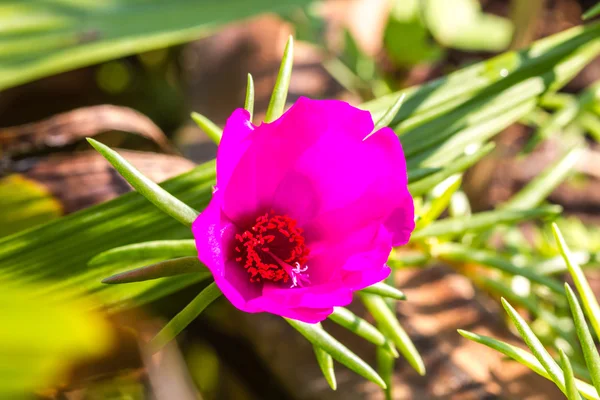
484	220
146	250
318	337
439	199
590	303
570	386
176	266
424	185
385	367
385	290
282	84
527	359
389	115
326	364
180	321
460	253
150	190
211	129
388	323
590	353
346	318
249	103
539	188
592	12
536	347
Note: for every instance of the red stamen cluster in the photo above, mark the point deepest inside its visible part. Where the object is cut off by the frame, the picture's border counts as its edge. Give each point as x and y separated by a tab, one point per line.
271	235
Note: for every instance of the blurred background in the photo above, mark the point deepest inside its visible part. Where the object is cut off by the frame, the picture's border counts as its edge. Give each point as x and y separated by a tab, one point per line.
138	96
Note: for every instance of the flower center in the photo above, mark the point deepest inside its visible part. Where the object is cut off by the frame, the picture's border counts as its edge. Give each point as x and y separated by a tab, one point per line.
273	249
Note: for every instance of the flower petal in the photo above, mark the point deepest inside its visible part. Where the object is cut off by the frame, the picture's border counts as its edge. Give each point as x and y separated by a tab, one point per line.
237	137
214	233
277	147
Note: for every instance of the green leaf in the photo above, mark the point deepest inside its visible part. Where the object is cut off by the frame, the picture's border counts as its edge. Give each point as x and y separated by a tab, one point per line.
318	337
326	364
536	347
282	84
539	188
388	323
424	185
438	200
590	303
177	266
211	129
460	253
385	290
389	115
570	386
180	321
468	28
146	250
483	220
592	359
150	190
592	12
346	318
385	367
249	102
24	204
527	359
41	38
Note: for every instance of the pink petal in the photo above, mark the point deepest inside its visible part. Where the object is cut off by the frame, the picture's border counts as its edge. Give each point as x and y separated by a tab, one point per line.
237	136
214	234
276	149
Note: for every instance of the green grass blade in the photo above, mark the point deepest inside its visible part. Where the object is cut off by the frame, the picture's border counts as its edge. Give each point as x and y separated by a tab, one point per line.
150	190
282	84
526	359
570	386
211	129
146	250
249	102
388	323
592	12
484	220
389	115
590	353
44	38
422	186
385	290
590	303
459	253
326	364
439	200
347	319
318	337
536	347
176	266
539	188
180	321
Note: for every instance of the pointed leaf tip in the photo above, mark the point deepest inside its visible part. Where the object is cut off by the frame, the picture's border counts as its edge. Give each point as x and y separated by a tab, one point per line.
158	196
176	266
319	337
325	362
282	84
389	115
249	102
211	129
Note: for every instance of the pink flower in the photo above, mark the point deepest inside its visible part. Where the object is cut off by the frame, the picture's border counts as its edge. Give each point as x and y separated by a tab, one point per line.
306	209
